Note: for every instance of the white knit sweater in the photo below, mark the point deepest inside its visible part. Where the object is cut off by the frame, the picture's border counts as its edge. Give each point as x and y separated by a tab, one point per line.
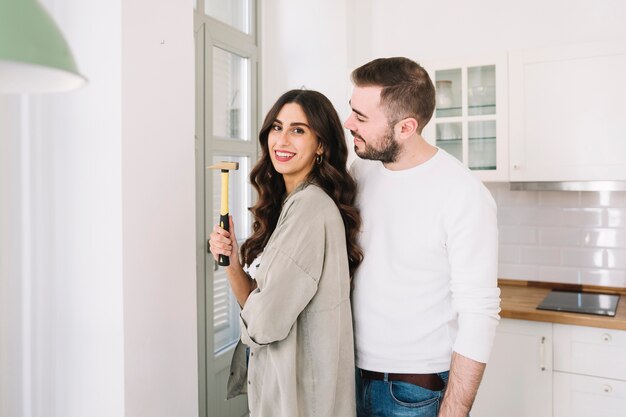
428	283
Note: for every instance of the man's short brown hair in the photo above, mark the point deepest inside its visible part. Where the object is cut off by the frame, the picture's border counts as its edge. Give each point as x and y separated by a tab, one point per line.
407	90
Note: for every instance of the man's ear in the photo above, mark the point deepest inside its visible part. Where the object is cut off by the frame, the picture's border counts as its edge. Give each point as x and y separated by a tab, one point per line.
408	127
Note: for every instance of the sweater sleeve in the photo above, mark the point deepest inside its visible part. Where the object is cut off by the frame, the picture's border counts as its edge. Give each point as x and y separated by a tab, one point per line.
472	243
290	270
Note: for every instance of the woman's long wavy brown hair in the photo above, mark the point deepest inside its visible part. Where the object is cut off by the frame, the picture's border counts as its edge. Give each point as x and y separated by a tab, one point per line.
331	175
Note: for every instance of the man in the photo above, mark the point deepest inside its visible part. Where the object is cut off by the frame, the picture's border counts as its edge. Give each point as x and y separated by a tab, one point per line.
425	299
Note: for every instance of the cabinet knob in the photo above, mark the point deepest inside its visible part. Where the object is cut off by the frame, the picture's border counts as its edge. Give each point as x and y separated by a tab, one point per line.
606	388
516	166
606	337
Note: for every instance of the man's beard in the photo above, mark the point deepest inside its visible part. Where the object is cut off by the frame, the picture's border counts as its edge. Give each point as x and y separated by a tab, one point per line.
387	153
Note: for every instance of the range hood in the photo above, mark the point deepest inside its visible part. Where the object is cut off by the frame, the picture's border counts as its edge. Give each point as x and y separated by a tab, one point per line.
569	186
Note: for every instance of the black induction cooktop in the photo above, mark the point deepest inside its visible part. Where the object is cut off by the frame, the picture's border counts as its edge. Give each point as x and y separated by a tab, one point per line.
580	302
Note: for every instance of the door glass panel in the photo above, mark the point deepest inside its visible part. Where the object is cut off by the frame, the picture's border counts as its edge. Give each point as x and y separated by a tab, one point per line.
231	95
481	92
225	307
449	138
482	145
235	13
448	87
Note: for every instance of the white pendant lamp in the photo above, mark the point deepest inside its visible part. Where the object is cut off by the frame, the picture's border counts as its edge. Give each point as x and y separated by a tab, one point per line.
34	56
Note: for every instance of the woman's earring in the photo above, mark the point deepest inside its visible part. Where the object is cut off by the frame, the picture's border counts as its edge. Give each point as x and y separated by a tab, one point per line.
319	159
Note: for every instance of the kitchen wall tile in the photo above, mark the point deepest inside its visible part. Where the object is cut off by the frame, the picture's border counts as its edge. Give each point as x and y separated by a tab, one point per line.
540	278
615	258
540	256
603	199
512	215
584	257
604	277
607	238
559	198
509	254
496	188
510	198
540	216
572	237
559	236
616	218
517	234
559	274
578	217
517	272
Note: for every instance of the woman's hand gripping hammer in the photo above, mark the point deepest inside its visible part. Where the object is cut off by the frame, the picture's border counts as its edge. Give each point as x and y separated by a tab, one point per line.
225	167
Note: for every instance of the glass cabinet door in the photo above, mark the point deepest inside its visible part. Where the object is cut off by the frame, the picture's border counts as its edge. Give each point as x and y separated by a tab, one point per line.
449	138
481	90
470	116
449	97
482	145
449	108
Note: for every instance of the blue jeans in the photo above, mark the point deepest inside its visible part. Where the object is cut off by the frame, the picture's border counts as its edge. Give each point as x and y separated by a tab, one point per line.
396	399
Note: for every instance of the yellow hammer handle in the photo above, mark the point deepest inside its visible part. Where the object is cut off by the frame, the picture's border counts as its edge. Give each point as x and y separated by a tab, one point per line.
224	204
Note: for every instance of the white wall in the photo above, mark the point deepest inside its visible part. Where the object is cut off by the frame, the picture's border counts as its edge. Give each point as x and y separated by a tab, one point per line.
452	28
158	209
97	217
304	43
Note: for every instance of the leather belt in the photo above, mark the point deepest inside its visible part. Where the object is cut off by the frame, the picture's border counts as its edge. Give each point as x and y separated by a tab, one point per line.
432	382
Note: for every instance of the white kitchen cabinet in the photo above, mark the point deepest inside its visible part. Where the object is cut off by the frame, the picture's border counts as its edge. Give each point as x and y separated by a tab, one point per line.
590	371
471	117
568	113
590	351
585	396
518	377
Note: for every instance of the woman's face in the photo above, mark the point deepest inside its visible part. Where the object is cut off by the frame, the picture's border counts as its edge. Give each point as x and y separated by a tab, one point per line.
292	145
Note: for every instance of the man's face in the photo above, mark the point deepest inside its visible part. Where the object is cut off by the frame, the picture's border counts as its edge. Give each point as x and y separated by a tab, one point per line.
374	138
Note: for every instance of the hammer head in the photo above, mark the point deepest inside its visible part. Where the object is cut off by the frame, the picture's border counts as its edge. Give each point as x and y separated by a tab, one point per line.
225	166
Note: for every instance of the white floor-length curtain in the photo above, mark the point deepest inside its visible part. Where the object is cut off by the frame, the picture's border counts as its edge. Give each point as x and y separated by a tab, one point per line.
61	300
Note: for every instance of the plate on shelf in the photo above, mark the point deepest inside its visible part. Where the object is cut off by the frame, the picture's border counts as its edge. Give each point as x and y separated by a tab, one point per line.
483	168
482	95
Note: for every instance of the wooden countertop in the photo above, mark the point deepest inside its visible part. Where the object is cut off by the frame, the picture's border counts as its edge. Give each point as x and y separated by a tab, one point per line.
520	299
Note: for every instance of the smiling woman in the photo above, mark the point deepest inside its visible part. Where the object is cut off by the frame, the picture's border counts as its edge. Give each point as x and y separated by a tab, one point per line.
295	288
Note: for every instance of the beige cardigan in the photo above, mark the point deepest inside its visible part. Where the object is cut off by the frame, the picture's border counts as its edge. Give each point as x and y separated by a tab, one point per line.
298	322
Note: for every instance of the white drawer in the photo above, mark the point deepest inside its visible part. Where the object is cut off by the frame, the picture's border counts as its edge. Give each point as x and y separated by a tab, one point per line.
586	396
590	351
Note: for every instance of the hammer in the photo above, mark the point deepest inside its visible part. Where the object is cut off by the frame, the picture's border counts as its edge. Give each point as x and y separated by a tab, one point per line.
224	166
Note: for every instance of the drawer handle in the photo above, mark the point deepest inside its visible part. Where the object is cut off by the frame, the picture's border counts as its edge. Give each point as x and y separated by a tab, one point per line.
607	389
606	337
542	353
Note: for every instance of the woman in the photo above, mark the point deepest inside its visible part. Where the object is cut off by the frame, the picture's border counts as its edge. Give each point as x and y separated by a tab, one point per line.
295	316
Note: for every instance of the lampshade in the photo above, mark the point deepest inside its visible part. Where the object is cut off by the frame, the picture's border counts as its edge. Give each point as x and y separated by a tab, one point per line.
34	56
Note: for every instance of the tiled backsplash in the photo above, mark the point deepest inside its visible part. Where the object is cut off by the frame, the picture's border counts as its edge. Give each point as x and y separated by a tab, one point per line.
562	236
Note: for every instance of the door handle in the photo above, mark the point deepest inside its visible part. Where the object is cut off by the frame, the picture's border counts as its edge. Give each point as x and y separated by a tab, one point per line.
542	354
